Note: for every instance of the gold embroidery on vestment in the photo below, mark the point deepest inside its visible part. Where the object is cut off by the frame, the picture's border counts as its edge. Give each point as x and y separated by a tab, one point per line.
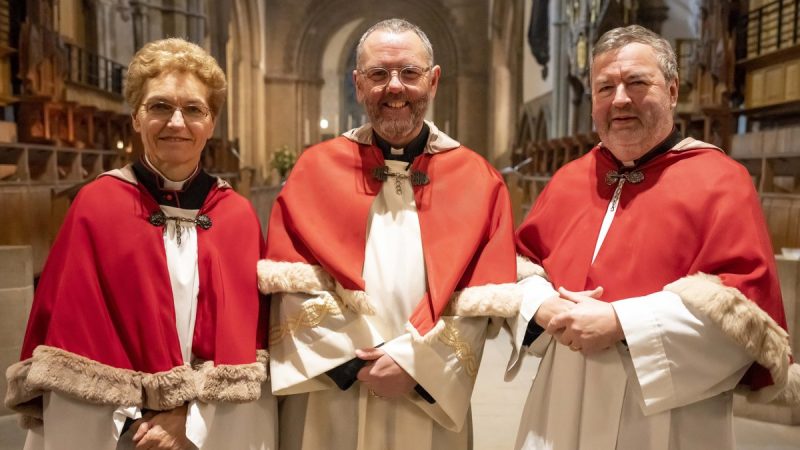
313	312
452	338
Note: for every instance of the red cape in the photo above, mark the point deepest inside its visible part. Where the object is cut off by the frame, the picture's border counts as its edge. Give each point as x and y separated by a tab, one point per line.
320	219
695	212
104	309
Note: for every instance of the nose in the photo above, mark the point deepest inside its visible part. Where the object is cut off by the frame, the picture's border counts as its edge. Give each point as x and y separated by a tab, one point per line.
177	119
395	85
621	97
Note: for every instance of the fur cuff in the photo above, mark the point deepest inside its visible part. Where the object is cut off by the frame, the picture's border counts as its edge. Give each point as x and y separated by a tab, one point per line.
277	276
356	301
497	300
230	383
526	268
749	326
54	369
430	336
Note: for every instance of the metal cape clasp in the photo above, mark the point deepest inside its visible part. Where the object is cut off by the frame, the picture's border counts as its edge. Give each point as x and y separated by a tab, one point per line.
417	178
159	219
635	176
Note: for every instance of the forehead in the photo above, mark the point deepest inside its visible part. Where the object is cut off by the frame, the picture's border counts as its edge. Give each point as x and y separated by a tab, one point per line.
176	85
388	48
634	58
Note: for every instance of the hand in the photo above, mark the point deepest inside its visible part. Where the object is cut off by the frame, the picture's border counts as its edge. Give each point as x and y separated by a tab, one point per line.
162	431
382	375
556	305
590	326
550	308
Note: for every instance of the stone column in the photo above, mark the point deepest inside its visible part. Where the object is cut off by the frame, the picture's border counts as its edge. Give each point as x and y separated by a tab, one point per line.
16	296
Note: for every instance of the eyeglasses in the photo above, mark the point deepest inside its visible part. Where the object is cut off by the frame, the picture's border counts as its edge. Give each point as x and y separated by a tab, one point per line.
164	111
408	75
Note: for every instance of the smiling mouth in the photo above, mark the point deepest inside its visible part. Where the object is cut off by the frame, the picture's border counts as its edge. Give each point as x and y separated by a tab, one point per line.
396	104
174	139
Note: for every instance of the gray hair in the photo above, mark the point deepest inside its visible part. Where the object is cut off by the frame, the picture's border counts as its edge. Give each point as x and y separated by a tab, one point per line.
396	26
617	38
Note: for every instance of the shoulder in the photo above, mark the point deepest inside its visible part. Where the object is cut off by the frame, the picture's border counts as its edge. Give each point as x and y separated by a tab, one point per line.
467	160
711	167
327	150
105	192
578	169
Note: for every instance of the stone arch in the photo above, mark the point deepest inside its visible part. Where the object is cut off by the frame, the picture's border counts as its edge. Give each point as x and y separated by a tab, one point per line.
328	17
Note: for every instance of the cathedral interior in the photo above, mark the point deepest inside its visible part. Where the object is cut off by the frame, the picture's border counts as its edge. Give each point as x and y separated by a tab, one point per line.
514	87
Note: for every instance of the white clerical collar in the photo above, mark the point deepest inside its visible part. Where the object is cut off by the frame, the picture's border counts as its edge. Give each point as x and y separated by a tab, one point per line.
166	182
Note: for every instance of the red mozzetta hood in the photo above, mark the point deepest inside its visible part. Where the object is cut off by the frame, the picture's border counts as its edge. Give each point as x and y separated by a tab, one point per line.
320	218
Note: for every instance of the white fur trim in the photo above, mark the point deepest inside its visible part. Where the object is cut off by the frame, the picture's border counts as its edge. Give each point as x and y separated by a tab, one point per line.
357	301
527	268
493	300
430	336
278	276
749	326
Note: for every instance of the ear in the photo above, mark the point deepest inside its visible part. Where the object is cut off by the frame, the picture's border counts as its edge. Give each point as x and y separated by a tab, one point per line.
357	84
436	73
673	93
136	125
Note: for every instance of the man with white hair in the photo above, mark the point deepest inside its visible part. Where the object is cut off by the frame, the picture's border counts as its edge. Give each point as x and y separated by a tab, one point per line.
668	295
384	255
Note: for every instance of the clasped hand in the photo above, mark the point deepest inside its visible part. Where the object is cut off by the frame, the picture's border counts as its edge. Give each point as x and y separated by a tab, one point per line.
164	430
382	375
580	321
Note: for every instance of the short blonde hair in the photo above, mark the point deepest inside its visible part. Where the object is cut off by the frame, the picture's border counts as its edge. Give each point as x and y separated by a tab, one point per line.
174	55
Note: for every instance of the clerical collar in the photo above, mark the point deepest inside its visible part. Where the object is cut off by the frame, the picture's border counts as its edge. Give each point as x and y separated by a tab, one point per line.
413	149
192	195
663	147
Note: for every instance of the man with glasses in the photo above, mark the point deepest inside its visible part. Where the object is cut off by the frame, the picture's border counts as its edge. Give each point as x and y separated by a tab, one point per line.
387	249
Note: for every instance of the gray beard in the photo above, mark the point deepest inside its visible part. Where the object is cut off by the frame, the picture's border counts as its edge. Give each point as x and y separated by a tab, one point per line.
393	128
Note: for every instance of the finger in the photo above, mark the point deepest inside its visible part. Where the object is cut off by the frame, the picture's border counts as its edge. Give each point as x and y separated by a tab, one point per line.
364	374
369	354
558	323
144	444
566	294
569	340
595	293
141	426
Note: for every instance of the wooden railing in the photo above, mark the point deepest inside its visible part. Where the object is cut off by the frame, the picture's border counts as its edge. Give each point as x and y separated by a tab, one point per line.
31	164
89	69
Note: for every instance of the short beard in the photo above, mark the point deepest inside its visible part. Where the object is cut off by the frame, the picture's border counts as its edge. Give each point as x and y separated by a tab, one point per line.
391	129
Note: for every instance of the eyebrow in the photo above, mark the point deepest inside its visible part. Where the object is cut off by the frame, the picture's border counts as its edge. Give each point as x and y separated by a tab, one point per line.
160	98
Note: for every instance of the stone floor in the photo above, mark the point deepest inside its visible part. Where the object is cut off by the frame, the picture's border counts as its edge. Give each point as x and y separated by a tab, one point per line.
497	407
